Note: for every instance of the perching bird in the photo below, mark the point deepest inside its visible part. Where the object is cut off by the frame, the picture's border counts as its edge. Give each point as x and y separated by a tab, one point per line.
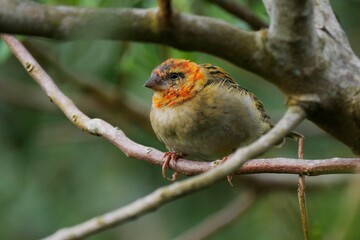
198	110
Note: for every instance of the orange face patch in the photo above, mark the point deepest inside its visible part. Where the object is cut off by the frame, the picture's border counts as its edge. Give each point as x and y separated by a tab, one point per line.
194	81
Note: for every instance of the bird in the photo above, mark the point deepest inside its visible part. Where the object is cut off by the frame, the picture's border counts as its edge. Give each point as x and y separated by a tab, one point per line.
199	111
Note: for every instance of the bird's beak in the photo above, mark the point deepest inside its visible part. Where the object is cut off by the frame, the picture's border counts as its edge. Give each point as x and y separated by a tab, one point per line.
154	82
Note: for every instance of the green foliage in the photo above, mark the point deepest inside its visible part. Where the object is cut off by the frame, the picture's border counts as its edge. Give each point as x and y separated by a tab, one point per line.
4	52
53	175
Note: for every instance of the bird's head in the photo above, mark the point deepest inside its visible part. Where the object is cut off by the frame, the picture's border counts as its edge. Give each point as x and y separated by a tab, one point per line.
174	81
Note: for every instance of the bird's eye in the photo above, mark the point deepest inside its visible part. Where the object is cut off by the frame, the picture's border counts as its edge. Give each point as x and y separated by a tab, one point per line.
174	75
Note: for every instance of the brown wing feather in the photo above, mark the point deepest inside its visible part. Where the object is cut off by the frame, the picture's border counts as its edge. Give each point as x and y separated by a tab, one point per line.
220	76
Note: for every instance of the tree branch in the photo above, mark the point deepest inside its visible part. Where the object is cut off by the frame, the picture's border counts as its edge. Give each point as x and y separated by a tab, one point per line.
292	34
302	195
241	12
132	25
326	22
316	66
161	196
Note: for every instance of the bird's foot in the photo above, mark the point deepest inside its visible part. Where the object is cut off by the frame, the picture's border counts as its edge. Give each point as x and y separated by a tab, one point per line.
173	157
228	177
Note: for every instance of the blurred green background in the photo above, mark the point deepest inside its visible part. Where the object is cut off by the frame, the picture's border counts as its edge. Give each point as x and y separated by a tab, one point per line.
53	175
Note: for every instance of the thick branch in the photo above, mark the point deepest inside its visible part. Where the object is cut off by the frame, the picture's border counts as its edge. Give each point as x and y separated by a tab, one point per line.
292	32
325	21
316	66
131	25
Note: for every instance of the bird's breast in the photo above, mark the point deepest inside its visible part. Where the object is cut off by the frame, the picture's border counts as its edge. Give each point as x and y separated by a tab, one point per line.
214	122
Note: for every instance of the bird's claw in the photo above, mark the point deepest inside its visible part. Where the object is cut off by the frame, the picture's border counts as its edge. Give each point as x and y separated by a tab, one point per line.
228	177
173	157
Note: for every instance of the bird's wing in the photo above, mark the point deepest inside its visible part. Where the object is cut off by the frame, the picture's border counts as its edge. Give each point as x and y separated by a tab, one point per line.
217	75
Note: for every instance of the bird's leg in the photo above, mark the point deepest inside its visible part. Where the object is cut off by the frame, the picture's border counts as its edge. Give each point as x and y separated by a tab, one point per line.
228	177
173	157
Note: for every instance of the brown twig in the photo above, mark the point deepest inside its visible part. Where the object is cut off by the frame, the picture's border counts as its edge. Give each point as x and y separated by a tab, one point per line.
241	12
301	148
222	218
302	195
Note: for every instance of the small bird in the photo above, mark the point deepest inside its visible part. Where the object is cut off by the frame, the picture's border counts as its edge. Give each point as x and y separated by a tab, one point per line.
198	110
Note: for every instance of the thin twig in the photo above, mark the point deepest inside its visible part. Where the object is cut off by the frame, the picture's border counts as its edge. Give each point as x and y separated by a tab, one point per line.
301	194
301	148
241	12
302	205
224	217
293	116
